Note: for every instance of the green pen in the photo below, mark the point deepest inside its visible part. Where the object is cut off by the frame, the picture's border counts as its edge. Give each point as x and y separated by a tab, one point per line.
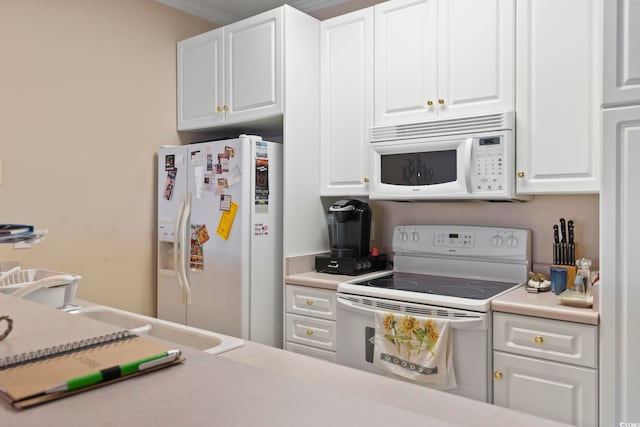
115	372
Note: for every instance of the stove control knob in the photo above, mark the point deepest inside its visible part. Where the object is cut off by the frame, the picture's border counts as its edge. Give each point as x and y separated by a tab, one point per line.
415	236
497	241
512	241
404	236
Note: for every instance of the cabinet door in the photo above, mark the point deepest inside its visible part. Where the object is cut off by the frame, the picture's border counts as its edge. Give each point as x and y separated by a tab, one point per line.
200	81
346	98
547	389
558	96
253	62
405	61
476	56
620	251
621	51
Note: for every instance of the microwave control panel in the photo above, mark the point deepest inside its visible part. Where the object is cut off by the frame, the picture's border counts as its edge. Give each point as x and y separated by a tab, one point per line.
488	169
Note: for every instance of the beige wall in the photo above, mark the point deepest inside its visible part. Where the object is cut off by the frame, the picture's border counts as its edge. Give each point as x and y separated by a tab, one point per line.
87	96
538	215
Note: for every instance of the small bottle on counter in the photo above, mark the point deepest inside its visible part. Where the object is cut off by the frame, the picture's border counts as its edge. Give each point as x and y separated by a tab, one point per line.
582	283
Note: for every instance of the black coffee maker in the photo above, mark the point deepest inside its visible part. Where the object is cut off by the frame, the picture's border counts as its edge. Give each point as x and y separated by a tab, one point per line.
349	223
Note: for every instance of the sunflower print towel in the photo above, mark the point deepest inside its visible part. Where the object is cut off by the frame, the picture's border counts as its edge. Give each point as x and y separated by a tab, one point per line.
416	348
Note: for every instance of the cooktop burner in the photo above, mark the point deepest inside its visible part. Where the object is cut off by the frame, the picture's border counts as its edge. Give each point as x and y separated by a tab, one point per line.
440	285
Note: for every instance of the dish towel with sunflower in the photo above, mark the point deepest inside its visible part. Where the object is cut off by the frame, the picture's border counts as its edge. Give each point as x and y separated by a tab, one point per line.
416	348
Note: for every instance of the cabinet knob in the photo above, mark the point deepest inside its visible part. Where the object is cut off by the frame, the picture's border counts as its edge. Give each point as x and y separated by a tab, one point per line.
497	375
538	339
309	302
225	108
429	103
219	109
441	101
520	174
366	179
309	332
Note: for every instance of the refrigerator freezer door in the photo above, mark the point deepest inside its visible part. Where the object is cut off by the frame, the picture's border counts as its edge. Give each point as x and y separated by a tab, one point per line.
171	193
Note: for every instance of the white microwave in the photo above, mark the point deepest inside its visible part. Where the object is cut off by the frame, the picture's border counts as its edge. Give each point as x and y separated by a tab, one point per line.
466	158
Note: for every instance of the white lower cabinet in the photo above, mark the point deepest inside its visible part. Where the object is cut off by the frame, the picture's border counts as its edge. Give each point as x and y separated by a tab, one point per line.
546	368
310	321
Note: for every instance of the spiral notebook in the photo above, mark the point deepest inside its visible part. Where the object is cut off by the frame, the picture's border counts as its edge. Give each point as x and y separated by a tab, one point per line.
48	347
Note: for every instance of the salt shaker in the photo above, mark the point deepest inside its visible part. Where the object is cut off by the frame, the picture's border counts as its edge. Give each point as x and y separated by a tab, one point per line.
583	276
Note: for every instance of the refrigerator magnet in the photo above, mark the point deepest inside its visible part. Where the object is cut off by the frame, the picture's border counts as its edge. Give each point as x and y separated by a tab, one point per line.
223	161
226	221
225	202
169	162
196	258
230	151
202	234
260	229
169	184
262	182
209	162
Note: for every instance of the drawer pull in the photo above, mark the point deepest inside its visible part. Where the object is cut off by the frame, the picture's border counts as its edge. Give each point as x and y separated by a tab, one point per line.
309	332
309	302
538	339
497	375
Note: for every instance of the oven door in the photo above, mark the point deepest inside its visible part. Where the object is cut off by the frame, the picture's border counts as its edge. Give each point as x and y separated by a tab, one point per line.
471	334
421	169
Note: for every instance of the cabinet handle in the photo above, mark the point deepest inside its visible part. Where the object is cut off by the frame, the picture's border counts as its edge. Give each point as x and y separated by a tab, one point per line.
520	174
225	108
538	339
497	375
219	109
309	302
429	103
441	101
309	332
366	179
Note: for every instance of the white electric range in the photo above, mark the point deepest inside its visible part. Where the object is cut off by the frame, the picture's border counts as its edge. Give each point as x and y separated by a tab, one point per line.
440	271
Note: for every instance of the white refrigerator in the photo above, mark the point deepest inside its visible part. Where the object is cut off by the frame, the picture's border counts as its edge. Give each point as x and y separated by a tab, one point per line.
220	237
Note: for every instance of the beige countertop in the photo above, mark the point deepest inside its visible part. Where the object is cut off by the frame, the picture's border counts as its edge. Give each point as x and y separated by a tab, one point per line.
258	385
300	270
544	304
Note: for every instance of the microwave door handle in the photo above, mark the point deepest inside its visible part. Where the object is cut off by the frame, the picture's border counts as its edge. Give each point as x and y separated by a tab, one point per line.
469	323
468	145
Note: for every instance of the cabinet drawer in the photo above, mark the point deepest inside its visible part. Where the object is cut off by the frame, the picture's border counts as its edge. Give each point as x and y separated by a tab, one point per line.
329	356
311	302
556	340
309	331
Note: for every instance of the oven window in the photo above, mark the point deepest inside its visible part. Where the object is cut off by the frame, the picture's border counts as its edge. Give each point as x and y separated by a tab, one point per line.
426	168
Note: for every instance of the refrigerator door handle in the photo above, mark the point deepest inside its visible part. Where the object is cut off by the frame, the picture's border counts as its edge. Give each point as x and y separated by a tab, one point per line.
186	288
177	245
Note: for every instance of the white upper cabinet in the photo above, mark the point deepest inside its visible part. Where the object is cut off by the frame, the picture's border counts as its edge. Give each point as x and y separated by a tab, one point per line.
253	64
476	57
200	80
622	51
443	58
559	92
231	74
346	103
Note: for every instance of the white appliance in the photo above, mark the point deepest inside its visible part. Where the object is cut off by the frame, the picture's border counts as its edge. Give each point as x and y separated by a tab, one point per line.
444	272
450	159
220	237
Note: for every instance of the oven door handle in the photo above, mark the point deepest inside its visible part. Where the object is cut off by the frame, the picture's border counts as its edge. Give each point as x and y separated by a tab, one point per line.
469	323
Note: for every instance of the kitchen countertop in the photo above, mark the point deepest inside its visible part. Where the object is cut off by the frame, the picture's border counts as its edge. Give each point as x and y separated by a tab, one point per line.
300	270
544	304
258	385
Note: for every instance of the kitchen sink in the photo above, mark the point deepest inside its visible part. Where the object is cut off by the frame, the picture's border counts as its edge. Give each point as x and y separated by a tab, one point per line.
209	342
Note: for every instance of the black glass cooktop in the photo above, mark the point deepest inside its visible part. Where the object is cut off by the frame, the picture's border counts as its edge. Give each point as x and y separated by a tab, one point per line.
440	285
